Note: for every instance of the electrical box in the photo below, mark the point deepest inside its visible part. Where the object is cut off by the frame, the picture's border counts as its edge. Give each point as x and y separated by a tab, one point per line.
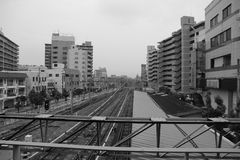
28	138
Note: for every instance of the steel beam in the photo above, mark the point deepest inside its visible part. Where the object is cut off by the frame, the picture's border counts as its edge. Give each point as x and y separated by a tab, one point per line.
20	130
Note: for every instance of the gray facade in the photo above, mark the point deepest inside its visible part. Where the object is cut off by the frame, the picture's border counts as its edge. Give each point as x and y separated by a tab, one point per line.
8	54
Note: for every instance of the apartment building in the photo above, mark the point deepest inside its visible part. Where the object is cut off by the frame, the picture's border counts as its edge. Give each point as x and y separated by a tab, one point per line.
56	52
76	59
222	49
181	57
8	54
12	85
87	46
152	66
48	53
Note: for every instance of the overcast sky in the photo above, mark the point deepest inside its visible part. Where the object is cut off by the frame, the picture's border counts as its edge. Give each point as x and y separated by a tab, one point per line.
120	30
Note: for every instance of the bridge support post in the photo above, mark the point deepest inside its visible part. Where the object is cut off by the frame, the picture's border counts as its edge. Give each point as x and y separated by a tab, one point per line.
16	152
99	128
41	130
158	133
46	130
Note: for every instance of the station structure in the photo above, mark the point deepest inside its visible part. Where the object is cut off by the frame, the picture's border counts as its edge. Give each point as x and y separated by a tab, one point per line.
154	135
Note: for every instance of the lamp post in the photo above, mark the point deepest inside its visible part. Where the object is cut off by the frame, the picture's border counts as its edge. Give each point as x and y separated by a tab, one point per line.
194	60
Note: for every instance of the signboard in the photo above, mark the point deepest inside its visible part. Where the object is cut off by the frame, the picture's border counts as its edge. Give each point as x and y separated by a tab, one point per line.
213	83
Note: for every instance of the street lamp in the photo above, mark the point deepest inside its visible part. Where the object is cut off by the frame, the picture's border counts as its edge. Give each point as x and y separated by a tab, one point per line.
194	60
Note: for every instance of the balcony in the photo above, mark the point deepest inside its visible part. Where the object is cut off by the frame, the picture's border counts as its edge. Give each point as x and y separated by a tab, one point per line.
21	84
1	84
10	84
11	94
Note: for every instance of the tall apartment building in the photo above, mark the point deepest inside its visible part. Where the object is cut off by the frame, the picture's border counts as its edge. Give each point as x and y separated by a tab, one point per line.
87	46
80	57
152	66
180	57
48	58
8	54
222	49
56	52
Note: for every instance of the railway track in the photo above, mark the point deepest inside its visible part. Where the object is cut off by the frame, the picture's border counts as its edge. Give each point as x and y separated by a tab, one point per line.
35	125
83	133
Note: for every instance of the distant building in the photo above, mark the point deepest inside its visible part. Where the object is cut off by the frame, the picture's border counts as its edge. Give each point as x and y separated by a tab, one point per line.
77	59
36	77
88	48
60	77
48	55
144	74
8	54
56	52
12	85
100	78
152	66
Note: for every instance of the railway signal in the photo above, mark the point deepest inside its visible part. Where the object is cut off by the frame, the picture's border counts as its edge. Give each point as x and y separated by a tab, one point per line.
47	104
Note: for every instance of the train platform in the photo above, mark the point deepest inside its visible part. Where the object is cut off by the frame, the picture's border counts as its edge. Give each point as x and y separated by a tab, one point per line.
171	135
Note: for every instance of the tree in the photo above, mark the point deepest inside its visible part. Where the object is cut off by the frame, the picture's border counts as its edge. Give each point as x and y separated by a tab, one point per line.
44	93
210	111
65	94
57	95
221	108
35	98
23	99
31	96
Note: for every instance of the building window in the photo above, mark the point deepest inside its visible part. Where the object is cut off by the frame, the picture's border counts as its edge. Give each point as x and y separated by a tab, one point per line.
222	61
76	62
36	79
214	21
77	75
76	53
76	58
55	65
65	53
55	52
33	79
226	12
50	75
57	75
65	48
55	47
221	38
67	75
76	67
55	57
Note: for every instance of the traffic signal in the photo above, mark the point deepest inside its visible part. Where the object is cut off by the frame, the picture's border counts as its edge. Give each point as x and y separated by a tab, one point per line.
47	104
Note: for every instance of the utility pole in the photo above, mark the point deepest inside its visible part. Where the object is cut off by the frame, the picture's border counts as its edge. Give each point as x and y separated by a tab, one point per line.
238	81
71	95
